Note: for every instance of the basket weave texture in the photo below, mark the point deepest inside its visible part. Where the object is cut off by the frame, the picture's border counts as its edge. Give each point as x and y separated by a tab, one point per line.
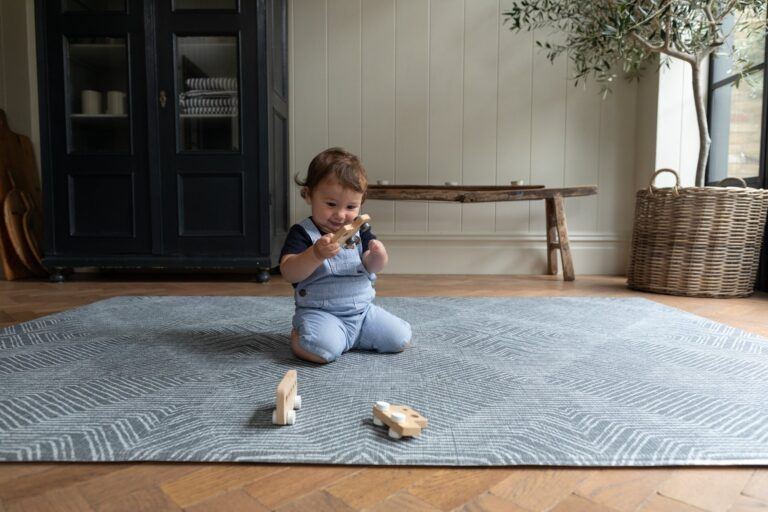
697	241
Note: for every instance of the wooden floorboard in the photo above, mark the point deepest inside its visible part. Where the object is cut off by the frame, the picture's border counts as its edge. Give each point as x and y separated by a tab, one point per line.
261	487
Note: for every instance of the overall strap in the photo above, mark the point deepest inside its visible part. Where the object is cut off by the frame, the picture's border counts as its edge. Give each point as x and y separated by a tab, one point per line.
311	229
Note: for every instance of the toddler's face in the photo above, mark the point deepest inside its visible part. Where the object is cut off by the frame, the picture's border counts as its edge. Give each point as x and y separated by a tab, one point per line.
333	205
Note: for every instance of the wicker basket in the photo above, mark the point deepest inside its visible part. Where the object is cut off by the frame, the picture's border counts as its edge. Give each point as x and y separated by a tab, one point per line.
697	241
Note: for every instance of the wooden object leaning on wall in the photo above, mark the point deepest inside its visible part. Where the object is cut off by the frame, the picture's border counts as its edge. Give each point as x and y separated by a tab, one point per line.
20	213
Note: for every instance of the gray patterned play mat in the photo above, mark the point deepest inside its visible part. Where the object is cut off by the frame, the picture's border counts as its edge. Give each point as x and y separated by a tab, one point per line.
503	381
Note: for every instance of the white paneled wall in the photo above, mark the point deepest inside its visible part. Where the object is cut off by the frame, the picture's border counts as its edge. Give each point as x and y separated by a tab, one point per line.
3	51
411	108
677	138
429	91
18	77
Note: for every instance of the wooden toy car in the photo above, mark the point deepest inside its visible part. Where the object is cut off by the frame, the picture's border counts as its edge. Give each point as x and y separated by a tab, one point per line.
345	232
401	420
287	400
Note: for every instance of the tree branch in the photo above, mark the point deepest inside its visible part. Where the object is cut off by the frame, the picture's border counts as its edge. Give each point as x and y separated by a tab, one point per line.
645	43
726	10
708	12
691	59
652	15
687	57
715	24
667	32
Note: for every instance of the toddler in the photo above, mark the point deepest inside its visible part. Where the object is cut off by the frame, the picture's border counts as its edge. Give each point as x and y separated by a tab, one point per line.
333	285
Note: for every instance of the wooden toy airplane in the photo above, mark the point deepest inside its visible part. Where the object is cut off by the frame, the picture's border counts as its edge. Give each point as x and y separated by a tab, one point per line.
345	232
287	400
401	420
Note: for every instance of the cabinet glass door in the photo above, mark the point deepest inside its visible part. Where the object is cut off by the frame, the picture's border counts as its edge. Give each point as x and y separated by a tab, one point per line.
98	165
97	95
209	128
207	93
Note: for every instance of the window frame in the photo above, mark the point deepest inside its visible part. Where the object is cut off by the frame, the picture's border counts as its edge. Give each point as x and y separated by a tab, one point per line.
760	181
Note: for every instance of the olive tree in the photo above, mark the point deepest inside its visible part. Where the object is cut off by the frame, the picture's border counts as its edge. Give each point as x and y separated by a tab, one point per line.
605	37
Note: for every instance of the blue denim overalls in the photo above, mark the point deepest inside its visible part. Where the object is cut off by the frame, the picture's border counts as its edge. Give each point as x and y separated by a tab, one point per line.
335	311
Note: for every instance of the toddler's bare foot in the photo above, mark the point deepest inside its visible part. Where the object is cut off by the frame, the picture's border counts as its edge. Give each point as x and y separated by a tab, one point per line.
300	352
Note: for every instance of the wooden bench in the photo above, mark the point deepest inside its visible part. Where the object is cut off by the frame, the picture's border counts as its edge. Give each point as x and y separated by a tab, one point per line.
557	229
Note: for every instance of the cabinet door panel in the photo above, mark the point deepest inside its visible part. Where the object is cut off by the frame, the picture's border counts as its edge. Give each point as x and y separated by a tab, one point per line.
101	204
277	86
209	155
279	50
102	207
97	178
210	204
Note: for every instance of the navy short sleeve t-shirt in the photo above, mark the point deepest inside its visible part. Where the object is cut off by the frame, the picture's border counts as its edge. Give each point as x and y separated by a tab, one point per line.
297	240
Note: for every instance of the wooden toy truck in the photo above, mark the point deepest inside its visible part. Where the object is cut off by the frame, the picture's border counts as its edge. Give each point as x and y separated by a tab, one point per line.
345	232
401	420
287	400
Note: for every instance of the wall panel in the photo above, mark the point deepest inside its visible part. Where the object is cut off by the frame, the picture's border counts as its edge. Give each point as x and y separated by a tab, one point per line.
435	91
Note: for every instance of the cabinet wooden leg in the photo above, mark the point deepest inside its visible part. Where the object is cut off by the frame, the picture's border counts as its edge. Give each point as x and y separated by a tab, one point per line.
262	275
59	274
562	234
552	245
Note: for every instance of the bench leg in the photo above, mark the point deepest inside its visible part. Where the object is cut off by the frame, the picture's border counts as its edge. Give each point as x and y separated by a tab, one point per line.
562	234
552	245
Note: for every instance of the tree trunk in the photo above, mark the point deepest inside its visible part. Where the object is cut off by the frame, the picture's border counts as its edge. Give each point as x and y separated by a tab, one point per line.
701	115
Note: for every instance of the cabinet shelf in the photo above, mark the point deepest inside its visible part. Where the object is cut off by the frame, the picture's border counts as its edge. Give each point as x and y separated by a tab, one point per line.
98	116
96	47
213	44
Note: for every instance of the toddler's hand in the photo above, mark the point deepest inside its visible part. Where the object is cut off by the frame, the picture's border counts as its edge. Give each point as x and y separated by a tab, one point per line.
325	248
377	249
375	258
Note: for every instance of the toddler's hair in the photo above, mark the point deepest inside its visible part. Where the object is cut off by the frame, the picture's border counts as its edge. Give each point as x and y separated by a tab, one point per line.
345	166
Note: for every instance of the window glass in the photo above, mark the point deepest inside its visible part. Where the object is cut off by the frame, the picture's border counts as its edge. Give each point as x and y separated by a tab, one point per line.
748	45
736	116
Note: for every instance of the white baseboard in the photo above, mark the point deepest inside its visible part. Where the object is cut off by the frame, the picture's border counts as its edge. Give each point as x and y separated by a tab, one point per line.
523	253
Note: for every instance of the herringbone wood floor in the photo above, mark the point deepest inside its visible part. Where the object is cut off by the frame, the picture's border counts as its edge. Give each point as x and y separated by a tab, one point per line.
230	487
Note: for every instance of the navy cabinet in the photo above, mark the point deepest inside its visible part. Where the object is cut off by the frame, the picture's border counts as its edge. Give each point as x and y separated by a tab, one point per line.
164	133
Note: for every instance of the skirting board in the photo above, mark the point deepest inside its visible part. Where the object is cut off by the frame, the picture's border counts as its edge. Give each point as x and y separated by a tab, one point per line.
603	254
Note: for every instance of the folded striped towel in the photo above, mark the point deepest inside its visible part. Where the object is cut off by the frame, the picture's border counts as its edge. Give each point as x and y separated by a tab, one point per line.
209	110
231	101
212	83
199	93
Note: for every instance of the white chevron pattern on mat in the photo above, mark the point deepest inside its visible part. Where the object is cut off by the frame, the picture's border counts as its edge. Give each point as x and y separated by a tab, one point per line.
503	381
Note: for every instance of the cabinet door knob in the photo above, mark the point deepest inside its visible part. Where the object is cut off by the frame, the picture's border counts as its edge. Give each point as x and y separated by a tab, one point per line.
163	99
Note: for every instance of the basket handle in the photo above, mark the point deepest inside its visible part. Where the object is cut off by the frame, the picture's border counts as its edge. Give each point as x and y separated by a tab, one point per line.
653	178
733	178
